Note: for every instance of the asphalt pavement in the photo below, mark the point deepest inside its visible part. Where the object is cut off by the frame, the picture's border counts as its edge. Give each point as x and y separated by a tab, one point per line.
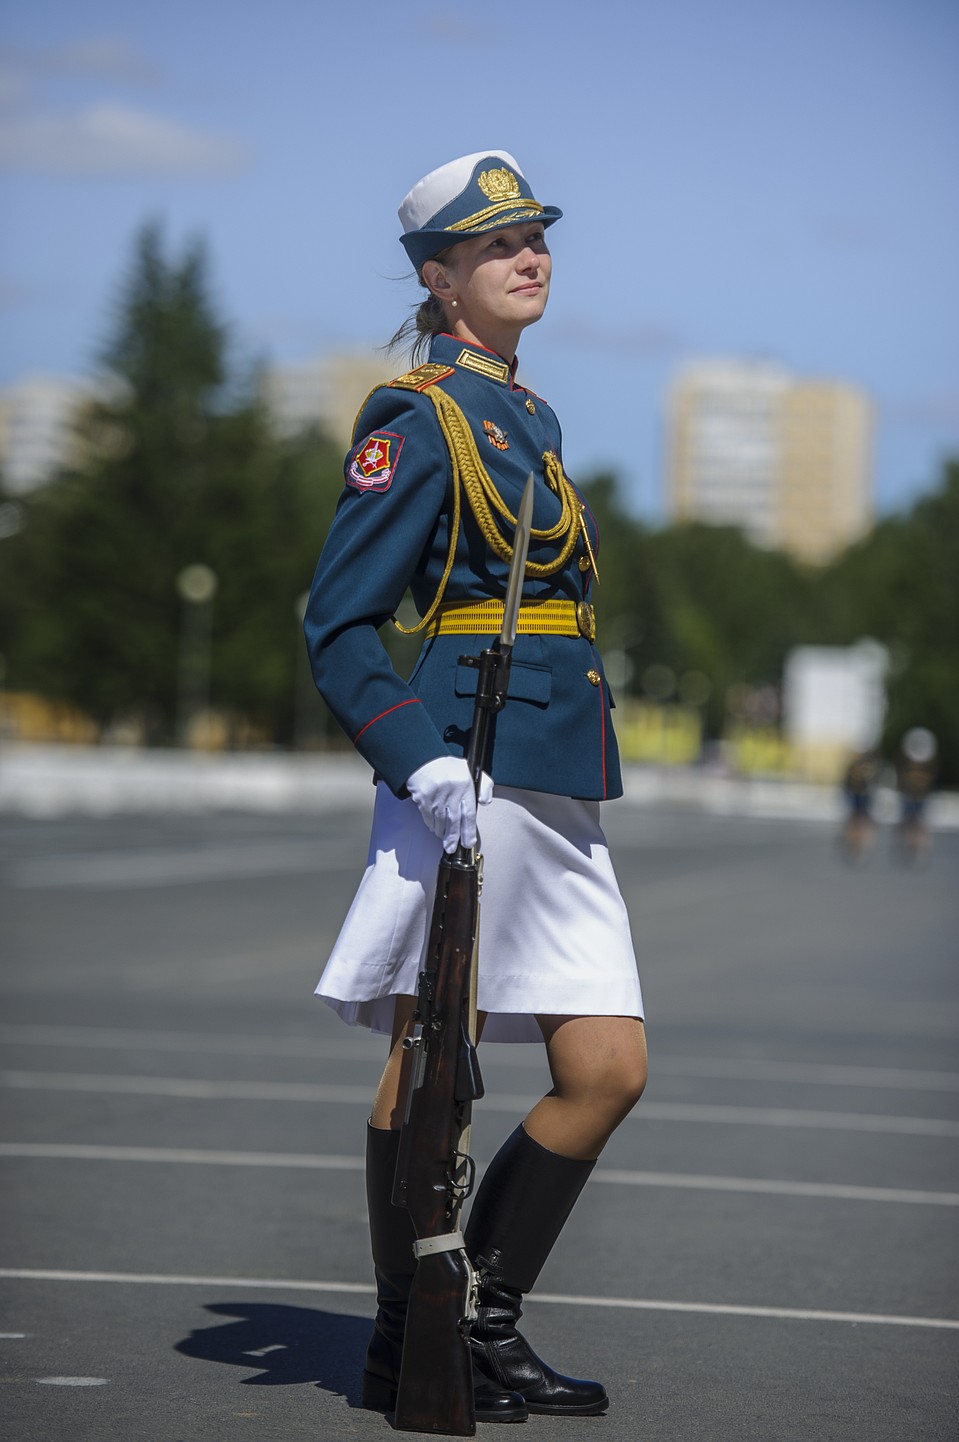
768	1249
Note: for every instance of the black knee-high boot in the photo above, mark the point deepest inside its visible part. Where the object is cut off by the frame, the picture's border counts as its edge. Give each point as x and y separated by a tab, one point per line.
391	1239
520	1209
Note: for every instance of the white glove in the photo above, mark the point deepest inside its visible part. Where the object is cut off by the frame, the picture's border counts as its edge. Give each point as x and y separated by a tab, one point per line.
443	792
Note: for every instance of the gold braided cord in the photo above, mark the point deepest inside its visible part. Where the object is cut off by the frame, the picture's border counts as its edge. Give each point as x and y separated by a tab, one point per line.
484	499
482	218
434	606
359	414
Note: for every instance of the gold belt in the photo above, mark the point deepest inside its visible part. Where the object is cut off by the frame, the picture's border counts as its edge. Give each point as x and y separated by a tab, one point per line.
536	618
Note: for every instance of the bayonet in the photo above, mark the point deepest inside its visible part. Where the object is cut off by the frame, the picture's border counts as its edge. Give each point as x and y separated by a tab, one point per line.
517	570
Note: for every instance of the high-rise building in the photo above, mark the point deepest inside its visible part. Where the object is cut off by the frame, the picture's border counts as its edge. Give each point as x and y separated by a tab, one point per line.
724	446
326	392
824	483
785	459
41	415
38	435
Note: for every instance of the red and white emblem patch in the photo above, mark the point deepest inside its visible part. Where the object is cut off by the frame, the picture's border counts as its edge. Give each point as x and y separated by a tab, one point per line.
374	462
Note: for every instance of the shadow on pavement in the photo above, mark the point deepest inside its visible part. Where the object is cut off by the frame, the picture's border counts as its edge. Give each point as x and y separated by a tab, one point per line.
287	1345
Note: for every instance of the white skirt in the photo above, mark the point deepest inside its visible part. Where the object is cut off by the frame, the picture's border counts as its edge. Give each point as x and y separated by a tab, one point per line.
554	933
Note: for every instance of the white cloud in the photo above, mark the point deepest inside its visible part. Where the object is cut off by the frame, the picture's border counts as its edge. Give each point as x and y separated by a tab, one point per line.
107	57
100	57
107	139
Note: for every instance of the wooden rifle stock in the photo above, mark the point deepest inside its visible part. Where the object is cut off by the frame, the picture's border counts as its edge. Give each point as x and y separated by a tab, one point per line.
435	1173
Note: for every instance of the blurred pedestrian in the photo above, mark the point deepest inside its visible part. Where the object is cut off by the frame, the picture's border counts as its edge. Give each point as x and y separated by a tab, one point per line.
859	784
433	484
915	780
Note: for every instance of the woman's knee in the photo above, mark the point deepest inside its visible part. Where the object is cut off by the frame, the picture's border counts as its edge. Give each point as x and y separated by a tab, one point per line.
631	1083
620	1085
601	1060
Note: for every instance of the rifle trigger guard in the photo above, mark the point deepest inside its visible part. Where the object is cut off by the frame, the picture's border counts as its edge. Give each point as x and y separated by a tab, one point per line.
447	1242
461	1190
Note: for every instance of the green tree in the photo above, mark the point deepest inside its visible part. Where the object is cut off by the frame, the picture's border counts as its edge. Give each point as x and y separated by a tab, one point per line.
178	466
731	610
901	585
695	598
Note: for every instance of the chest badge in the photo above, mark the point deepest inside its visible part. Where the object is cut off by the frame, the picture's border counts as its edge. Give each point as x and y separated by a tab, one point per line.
496	436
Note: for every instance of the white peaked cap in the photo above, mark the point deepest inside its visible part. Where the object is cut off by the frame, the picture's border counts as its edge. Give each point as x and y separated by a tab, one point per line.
435	191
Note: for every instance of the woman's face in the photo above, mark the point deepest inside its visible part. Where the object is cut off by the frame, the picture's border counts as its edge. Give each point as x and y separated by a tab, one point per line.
500	282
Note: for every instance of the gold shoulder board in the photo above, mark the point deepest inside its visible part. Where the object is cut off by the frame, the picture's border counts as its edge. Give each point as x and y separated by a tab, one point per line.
423	376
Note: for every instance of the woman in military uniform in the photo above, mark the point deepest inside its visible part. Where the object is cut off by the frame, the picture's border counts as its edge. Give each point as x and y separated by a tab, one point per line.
432	488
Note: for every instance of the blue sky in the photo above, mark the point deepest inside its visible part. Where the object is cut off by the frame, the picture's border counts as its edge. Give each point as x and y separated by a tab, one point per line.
738	178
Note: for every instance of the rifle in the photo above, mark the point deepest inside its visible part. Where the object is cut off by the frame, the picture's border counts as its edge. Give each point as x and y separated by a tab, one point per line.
435	1173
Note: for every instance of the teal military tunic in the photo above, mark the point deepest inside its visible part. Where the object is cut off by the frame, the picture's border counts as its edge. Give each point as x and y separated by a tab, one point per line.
391	532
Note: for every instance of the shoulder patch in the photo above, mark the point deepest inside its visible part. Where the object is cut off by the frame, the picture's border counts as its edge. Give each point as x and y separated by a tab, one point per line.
421	377
372	465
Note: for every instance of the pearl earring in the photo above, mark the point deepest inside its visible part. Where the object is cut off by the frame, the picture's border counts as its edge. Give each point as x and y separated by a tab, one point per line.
454	304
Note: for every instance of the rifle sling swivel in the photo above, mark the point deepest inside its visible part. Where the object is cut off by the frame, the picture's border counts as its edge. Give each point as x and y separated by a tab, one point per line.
448	1242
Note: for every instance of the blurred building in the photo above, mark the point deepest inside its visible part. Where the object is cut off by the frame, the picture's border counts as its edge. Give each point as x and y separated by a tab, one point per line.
40	415
825	499
785	459
724	446
834	703
38	428
326	392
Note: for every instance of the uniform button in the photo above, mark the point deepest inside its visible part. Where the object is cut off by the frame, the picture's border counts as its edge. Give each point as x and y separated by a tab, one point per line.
593	677
530	407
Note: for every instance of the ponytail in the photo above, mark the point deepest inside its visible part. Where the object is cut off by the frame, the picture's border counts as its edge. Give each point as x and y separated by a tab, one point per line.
427	319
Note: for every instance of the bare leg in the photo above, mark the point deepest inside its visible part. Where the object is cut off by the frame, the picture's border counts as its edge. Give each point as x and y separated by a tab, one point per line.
390	1097
598	1066
387	1115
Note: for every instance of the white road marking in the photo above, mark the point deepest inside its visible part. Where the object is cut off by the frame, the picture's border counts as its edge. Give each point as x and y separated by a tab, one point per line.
125	870
792	1314
831	1191
187	1087
12	1336
71	1151
197	1043
153	1279
72	1381
806	1073
361	1048
801	1314
306	1161
792	1117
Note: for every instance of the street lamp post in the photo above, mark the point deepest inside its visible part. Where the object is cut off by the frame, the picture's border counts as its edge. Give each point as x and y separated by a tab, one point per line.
196	585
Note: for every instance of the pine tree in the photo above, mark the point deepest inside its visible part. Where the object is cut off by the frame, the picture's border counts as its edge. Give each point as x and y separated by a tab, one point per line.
178	468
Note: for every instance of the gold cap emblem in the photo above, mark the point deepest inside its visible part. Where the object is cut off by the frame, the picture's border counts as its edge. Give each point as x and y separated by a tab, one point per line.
499	185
